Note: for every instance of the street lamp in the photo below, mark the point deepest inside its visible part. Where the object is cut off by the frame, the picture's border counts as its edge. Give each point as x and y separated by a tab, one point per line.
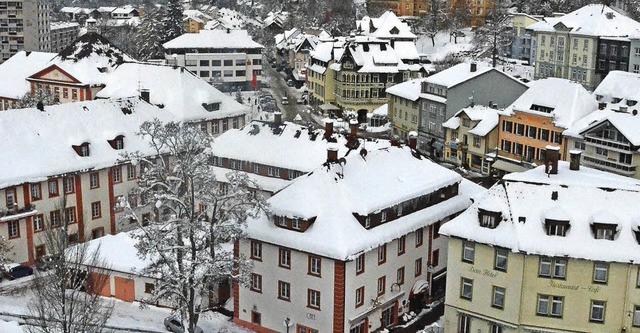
287	323
430	270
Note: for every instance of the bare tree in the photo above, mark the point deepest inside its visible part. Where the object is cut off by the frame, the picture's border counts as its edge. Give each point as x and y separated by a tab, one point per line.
39	98
67	294
196	217
497	33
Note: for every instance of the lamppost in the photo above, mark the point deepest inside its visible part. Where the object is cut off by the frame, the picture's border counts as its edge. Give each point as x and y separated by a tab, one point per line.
287	323
430	270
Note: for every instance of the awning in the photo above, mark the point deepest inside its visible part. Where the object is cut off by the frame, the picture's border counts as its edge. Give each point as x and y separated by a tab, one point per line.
328	107
419	286
509	166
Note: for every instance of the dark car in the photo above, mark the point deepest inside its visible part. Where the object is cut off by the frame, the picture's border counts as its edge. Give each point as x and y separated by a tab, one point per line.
15	271
172	324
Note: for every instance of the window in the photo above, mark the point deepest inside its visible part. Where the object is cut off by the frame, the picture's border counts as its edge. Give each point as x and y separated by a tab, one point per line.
38	222
382	285
148	288
476	141
315	266
359	296
295	224
466	289
597	311
401	245
228	62
360	264
204	63
382	254
284	291
10	197
488	220
285	258
464	322
468	252
557	228
116	173
553	267
55	218
383	216
256	282
550	305
435	257
96	211
498	297
256	250
70	215
14	229
600	272
273	171
419	237
131	172
400	276
69	185
501	256
636	314
313	299
53	188
496	328
216	63
94	180
418	267
604	233
241	73
36	192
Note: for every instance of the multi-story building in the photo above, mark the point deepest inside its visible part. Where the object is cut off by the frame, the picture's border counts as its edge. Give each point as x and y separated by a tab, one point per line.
25	27
537	119
523	46
584	45
195	20
447	92
548	250
350	265
63	34
403	7
607	136
294	49
404	107
471	134
226	58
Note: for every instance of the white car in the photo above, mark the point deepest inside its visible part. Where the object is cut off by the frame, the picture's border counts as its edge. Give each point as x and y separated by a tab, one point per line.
172	324
285	100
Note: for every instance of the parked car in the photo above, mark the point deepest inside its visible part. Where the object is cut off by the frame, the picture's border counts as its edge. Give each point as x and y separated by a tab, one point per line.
15	271
172	324
285	100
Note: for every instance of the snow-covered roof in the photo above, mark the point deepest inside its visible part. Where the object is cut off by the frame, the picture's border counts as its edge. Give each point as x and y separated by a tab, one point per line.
593	20
567	101
124	10
231	39
408	90
289	145
44	148
63	25
619	115
486	118
527	197
387	26
15	70
619	84
119	252
106	9
382	110
323	51
457	74
174	88
333	193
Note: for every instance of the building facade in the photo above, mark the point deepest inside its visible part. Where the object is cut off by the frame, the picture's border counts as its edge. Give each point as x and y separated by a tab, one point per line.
404	107
63	34
25	27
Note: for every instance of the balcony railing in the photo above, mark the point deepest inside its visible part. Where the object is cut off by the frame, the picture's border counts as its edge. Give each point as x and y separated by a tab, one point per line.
613	166
607	143
15	212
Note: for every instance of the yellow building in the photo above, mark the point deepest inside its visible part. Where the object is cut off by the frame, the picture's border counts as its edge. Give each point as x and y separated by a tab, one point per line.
471	134
531	256
404	107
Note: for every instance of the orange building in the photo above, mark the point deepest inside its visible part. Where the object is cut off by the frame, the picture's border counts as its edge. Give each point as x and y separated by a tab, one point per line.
403	7
478	9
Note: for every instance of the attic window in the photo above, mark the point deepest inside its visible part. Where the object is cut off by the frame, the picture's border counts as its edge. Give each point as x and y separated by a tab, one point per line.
211	106
295	224
394	31
82	150
545	109
489	219
102	69
637	233
556	227
117	143
631	102
604	230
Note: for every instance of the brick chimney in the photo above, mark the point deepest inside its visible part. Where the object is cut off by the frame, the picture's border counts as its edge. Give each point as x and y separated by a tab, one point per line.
473	67
551	160
328	129
574	163
353	127
413	140
277	118
332	152
395	142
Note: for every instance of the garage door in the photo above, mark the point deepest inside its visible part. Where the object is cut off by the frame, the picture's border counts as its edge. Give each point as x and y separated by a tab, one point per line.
100	284
125	289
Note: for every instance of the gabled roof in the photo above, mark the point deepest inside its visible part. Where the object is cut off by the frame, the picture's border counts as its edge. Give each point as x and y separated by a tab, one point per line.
15	70
229	39
185	102
593	20
333	193
527	197
124	10
408	90
619	84
486	117
387	26
569	100
457	74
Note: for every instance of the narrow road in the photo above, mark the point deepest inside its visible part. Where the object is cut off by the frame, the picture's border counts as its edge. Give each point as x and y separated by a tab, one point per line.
279	87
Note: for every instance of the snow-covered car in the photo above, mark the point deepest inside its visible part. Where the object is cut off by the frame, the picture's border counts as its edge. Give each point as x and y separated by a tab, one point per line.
172	324
14	271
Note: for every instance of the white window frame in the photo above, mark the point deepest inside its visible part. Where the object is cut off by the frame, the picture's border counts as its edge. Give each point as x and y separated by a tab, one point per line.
597	311
466	288
600	272
497	300
468	252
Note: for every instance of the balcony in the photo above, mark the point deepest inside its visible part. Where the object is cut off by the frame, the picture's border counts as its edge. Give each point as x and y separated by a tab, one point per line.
15	212
603	163
605	143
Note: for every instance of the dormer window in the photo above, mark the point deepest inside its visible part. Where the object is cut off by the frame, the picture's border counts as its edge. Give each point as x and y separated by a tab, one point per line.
556	228
211	106
117	143
489	219
604	230
295	224
82	150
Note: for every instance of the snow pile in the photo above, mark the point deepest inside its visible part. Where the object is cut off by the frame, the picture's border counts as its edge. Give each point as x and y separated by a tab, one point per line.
444	45
10	327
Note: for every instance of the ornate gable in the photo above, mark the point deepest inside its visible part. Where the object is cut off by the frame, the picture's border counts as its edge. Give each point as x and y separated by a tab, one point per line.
55	74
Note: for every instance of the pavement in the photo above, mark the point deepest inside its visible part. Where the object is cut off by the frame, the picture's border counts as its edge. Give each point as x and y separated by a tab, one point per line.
289	111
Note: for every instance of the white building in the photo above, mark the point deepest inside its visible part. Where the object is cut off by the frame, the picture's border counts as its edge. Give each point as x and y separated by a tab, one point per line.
25	26
350	246
63	34
223	57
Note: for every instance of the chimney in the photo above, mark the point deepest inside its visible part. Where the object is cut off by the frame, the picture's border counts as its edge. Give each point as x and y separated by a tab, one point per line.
144	95
574	163
413	140
473	67
332	152
353	126
602	106
228	30
328	129
551	160
395	141
277	118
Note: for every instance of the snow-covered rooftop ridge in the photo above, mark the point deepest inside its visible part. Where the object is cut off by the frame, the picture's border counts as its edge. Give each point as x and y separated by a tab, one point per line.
408	90
620	85
119	252
594	20
387	26
334	192
44	148
486	118
213	39
560	99
459	73
15	70
522	227
287	145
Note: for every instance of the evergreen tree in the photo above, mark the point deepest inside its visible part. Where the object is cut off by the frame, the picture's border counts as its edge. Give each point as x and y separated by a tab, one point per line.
151	34
172	22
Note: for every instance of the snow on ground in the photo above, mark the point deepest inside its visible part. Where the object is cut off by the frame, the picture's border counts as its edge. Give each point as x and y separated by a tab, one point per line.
10	327
443	46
